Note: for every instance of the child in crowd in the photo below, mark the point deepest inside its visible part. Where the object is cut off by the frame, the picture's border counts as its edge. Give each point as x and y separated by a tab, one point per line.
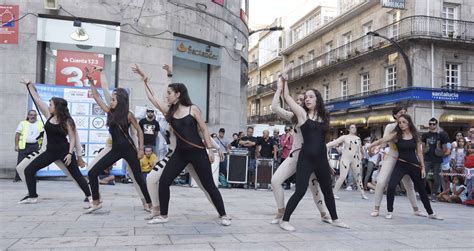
148	161
458	192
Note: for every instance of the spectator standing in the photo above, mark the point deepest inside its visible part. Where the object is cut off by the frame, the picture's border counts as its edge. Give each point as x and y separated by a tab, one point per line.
266	146
223	146
26	137
286	142
435	148
250	143
150	128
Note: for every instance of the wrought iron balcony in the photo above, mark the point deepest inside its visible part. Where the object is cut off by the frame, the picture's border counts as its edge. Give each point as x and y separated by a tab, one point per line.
407	28
252	90
263	119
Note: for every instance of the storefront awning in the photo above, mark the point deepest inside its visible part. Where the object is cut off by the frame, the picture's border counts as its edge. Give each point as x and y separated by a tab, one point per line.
337	123
356	121
456	118
381	119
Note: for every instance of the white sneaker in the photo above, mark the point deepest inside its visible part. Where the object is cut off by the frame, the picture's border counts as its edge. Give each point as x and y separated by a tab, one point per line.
338	223
364	197
28	200
374	213
420	213
146	208
336	197
435	217
389	216
152	215
326	218
349	188
158	220
285	225
371	191
225	220
93	208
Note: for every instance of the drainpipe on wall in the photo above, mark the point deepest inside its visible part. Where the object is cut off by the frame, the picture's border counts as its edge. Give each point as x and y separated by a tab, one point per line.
432	78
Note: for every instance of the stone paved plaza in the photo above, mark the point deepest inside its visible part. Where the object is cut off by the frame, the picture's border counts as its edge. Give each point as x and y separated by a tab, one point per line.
57	222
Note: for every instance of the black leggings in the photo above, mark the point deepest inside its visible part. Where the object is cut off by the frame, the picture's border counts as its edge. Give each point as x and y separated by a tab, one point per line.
116	153
306	165
178	161
399	171
43	160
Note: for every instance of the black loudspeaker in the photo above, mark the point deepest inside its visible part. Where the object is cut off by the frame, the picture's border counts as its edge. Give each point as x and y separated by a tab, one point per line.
237	166
264	171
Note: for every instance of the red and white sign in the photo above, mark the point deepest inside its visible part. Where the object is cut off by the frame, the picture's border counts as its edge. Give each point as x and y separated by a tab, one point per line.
8	29
70	67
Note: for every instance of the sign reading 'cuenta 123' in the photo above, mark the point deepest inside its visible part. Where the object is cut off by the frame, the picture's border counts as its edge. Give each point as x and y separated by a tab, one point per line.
394	4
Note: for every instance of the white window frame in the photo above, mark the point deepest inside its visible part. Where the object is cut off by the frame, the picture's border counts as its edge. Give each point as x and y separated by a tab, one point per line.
452	76
394	29
328	48
365	83
344	88
391	77
347	41
311	59
326	92
451	13
368	39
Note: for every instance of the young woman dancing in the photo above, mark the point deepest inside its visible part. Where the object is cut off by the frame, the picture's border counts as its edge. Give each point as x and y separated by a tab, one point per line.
409	162
288	167
186	121
386	170
56	147
313	120
119	120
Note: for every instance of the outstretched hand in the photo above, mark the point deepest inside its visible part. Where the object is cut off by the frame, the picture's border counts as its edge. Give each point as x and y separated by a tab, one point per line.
25	81
167	68
286	71
136	69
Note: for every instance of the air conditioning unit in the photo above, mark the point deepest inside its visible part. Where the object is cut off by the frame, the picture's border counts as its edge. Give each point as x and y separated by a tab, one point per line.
51	4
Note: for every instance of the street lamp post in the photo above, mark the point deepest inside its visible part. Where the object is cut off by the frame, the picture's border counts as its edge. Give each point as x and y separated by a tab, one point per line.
275	28
399	49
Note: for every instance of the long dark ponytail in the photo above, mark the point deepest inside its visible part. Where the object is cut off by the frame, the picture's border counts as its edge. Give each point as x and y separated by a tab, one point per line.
119	114
183	99
320	108
61	111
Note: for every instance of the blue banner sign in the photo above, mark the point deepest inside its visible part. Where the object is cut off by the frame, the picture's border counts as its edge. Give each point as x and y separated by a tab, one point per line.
90	122
412	93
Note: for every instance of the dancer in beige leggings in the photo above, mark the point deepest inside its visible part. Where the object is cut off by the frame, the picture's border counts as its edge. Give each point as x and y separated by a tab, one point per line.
288	167
350	158
386	171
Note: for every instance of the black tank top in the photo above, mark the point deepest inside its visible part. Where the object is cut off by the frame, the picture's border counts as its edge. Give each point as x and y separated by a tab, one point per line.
314	135
119	138
187	128
56	137
407	151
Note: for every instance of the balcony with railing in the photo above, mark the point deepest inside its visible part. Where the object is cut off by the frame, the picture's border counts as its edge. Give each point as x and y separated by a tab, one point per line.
252	90
426	27
263	119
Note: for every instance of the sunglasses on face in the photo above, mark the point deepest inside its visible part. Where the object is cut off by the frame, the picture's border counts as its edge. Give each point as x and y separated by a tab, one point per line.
432	124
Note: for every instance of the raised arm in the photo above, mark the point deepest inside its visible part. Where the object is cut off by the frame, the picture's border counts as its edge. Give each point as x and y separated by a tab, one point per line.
336	142
297	110
134	123
95	93
276	107
36	98
162	106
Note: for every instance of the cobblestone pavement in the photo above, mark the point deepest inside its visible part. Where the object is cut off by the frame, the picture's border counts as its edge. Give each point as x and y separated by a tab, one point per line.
57	222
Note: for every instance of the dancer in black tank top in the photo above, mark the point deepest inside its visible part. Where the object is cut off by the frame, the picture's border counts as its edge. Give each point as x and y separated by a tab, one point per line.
314	121
409	162
119	120
186	121
58	126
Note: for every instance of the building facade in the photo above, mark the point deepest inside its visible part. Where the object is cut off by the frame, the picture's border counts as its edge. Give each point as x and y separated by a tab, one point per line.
204	41
362	77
